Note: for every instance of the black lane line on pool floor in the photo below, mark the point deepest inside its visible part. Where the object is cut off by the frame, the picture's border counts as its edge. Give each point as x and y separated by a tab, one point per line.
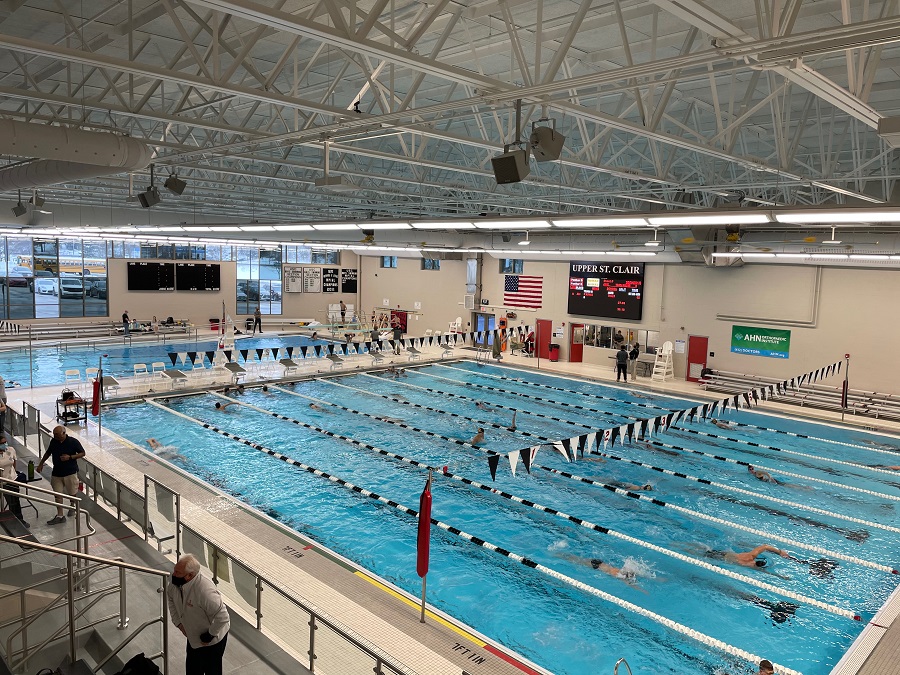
740	462
754	444
637	609
550	441
565	516
499	406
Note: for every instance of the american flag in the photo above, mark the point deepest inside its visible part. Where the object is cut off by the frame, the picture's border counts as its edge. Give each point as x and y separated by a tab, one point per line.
522	291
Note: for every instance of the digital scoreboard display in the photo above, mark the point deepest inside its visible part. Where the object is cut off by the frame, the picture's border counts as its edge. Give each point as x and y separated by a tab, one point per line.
151	276
197	277
610	290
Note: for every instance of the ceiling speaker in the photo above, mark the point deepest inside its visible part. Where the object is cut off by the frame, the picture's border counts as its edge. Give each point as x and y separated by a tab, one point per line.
546	143
511	167
175	185
149	198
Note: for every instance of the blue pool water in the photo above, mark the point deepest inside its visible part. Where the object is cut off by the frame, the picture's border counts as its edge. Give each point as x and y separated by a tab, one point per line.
50	363
563	628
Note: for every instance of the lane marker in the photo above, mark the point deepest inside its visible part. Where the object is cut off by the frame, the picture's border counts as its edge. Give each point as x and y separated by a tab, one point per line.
603	595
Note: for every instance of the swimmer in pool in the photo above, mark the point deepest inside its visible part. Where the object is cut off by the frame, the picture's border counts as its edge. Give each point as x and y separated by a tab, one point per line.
883	466
646	487
223	406
626	573
481	405
764	476
477	438
655	448
512	425
723	424
752	559
163	451
318	408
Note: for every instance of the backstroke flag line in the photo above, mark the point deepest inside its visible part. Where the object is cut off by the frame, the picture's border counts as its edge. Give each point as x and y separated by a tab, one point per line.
424	539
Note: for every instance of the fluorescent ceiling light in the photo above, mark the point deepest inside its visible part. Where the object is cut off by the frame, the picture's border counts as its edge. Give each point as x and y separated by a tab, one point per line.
197	228
643	253
336	226
510	224
738	218
293	228
446	225
828	256
384	226
726	255
257	228
654	242
601	222
757	255
839	216
799	256
866	256
225	228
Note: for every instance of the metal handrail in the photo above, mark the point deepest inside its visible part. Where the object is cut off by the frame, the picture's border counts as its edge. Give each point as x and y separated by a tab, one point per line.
99	667
618	663
77	564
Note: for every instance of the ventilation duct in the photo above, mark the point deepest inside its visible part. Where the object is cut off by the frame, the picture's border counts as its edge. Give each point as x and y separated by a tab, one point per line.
62	154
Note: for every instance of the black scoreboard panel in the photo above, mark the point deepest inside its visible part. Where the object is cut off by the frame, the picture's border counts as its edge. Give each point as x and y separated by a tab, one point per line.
151	276
609	290
197	277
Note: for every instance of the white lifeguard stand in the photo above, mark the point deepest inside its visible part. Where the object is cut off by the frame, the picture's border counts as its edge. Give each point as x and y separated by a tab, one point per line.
663	369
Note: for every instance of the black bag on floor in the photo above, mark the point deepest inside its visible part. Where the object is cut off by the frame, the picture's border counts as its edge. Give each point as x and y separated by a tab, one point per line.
140	665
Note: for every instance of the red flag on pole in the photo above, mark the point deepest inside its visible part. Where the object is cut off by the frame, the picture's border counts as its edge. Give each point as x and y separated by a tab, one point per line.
424	539
95	399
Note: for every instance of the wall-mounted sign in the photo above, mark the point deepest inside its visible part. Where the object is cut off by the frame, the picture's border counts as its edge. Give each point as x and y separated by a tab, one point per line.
612	290
348	280
312	279
292	279
330	279
761	341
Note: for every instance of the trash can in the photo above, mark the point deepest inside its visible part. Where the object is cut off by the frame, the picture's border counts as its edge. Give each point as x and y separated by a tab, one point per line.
214	323
248	323
554	352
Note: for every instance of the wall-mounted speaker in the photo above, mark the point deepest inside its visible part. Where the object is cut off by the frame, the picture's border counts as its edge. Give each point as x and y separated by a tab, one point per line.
546	143
511	167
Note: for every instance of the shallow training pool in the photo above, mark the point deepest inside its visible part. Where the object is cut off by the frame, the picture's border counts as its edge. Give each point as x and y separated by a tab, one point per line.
834	509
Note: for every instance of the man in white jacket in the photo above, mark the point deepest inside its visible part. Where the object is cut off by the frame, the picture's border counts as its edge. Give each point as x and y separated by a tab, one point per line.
199	612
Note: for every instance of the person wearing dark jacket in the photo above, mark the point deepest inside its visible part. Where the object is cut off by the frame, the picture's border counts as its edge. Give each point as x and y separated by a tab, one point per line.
633	359
622	364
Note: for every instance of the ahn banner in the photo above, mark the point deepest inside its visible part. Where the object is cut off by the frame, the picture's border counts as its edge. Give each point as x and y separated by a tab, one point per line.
348	280
761	341
330	279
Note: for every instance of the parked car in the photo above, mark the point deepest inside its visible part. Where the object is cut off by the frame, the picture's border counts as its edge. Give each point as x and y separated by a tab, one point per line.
71	287
97	288
45	286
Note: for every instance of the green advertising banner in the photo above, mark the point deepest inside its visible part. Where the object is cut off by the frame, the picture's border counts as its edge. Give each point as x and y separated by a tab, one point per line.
761	341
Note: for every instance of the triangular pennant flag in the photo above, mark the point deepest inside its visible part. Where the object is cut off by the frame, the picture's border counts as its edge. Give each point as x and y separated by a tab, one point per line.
290	352
430	341
607	437
736	402
493	463
330	348
192	356
259	354
561	448
691	413
724	404
567	446
793	384
656	422
526	455
244	353
630	432
318	349
582	441
513	460
275	353
623	433
678	416
228	354
613	436
303	350
211	355
173	357
778	387
704	411
645	425
839	367
756	395
747	399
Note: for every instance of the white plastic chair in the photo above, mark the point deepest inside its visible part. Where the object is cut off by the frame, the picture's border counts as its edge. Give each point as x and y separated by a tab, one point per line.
140	371
73	377
428	332
158	367
455	325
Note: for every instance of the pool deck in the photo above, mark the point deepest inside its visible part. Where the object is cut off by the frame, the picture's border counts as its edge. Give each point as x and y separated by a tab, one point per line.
372	608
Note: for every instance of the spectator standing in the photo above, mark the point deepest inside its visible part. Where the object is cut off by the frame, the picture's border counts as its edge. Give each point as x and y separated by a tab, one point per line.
622	364
633	359
66	452
126	322
8	471
257	320
398	335
198	611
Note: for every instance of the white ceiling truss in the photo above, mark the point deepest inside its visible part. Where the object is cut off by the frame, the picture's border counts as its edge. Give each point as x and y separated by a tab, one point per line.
664	103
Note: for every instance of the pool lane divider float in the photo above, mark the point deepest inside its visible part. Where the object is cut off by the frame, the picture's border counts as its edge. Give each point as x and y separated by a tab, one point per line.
580	585
565	516
676	474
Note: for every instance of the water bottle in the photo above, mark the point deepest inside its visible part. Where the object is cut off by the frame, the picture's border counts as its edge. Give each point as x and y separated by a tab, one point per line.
30	470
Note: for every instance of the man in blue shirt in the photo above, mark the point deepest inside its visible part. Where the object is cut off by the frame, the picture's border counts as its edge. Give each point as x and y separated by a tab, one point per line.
66	452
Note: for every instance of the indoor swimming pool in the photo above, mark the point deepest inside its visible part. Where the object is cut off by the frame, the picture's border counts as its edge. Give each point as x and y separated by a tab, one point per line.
610	570
49	364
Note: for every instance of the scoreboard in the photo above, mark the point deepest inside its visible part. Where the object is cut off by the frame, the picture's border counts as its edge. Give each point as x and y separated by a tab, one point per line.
610	290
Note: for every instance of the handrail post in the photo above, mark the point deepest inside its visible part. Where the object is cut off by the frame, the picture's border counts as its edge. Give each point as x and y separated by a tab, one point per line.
312	642
70	580
146	508
259	590
123	601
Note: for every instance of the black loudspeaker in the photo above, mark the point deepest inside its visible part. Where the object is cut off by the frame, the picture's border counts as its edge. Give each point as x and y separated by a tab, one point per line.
511	167
546	143
149	198
175	185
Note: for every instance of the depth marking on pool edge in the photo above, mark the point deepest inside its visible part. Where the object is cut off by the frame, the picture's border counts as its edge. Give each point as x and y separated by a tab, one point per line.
613	599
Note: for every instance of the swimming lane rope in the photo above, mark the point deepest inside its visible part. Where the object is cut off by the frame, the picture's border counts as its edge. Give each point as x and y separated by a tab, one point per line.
620	602
696	479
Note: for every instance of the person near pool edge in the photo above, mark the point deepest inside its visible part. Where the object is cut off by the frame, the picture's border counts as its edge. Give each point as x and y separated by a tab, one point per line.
126	322
633	359
622	364
257	320
343	312
398	335
66	452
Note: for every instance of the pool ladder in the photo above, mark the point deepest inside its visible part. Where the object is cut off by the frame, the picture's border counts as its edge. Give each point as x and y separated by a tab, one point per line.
619	663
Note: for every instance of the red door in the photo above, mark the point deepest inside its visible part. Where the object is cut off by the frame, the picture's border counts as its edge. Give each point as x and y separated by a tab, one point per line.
576	342
698	348
543	335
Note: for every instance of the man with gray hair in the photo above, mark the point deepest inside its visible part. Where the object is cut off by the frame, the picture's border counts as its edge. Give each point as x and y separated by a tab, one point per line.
200	614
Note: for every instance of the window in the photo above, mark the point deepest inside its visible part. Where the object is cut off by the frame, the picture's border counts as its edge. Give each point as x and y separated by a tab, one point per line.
388	261
258	280
326	258
431	264
512	266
